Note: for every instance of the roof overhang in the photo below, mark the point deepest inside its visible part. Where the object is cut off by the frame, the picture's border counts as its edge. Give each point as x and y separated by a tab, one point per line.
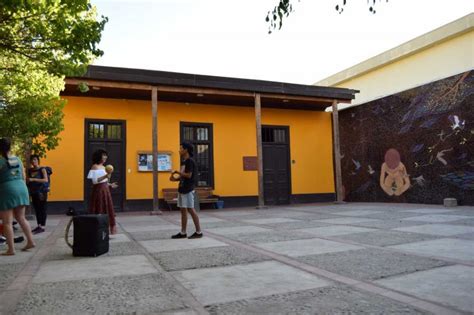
136	84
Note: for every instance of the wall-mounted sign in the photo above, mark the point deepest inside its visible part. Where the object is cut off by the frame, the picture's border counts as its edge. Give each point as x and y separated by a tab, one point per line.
145	161
250	163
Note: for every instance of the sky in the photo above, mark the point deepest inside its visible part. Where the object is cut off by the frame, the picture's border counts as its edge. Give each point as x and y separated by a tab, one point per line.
230	37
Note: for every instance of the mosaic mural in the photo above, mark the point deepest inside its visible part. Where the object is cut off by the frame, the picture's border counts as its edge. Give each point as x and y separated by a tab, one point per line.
415	146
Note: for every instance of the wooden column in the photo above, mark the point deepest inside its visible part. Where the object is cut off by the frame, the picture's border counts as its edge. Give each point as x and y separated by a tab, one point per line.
258	119
337	152
154	137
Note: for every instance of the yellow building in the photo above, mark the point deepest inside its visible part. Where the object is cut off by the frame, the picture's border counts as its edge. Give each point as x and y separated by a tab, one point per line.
218	115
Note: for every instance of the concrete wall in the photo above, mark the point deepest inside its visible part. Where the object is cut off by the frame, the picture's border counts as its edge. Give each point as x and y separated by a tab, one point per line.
442	53
432	129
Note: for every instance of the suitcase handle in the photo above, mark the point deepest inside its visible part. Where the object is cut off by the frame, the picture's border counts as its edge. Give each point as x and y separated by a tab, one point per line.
66	233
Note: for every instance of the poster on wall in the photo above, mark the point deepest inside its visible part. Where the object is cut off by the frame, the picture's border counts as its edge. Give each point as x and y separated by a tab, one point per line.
145	162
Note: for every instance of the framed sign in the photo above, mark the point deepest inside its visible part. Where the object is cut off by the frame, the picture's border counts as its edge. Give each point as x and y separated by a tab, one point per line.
145	161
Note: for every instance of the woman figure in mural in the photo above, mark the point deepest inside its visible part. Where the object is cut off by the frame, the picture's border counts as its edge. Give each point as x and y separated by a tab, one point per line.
101	198
394	178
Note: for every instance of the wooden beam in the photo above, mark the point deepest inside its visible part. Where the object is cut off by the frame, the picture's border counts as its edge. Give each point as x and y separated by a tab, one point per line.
210	91
258	119
337	152
204	91
154	136
109	84
302	98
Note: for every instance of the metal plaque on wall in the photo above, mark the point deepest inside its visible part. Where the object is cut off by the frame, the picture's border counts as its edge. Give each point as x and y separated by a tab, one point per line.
250	163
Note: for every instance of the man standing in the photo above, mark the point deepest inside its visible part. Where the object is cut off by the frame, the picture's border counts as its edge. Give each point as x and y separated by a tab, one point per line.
187	181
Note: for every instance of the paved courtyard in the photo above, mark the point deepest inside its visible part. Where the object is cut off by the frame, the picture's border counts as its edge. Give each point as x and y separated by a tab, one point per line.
304	259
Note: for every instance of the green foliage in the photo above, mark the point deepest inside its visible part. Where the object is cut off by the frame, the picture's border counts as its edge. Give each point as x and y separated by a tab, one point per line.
41	42
284	8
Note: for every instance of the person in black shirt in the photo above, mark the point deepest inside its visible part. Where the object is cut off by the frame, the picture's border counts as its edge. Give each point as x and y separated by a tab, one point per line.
187	181
36	179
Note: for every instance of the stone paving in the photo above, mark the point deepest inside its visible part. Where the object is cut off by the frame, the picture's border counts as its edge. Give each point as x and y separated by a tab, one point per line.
300	259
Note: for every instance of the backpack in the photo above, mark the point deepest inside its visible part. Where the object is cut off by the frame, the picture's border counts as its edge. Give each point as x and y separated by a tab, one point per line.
46	187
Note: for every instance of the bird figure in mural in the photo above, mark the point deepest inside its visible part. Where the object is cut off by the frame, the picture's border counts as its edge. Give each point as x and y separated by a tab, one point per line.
371	170
420	180
456	123
440	155
357	164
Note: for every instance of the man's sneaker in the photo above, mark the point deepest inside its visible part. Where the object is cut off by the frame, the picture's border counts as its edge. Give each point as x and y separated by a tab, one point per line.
179	235
3	240
196	235
18	239
35	229
38	230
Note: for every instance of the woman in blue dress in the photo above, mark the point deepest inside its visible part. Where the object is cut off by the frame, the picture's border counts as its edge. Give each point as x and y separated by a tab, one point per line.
13	197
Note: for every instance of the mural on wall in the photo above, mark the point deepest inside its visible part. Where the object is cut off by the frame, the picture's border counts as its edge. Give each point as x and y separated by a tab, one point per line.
415	146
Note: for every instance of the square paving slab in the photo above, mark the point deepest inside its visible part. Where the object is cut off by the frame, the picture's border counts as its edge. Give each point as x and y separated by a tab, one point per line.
388	224
225	284
385	238
429	211
206	258
211	225
437	218
19	257
143	294
238	230
468	236
357	213
445	247
154	235
8	273
204	219
144	228
270	236
334	230
61	251
327	301
157	246
306	247
346	220
451	285
438	229
270	220
141	218
300	224
118	238
91	268
370	263
468	222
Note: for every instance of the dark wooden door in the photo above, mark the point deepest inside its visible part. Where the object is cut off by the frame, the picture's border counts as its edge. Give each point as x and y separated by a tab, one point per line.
110	136
276	165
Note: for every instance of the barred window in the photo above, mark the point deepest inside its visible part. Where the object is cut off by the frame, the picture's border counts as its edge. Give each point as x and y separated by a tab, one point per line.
200	136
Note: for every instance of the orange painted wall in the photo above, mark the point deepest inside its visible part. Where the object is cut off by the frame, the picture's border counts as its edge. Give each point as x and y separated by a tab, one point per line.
234	137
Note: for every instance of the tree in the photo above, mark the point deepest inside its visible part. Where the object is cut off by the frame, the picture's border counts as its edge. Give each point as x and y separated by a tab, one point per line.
284	8
41	42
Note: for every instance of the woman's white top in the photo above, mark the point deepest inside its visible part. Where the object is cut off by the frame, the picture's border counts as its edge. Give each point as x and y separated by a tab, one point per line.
95	174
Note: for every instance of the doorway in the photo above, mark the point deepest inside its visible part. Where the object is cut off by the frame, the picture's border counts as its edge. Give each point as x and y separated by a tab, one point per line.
276	164
110	136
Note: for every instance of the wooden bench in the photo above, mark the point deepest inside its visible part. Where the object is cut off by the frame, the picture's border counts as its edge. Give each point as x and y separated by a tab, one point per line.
204	195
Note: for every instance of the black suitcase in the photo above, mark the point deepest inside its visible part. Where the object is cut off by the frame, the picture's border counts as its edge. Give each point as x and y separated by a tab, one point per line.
91	235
